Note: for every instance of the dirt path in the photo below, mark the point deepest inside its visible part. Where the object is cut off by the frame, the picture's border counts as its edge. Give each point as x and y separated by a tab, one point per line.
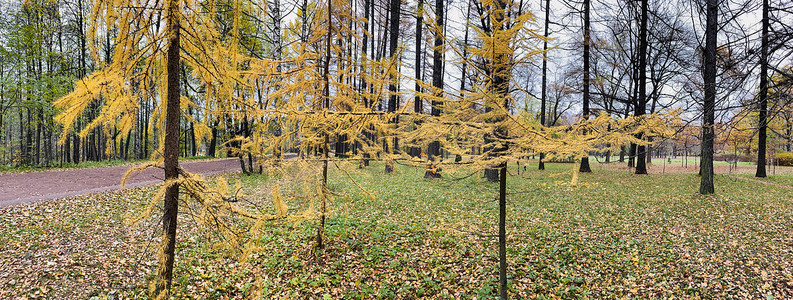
18	188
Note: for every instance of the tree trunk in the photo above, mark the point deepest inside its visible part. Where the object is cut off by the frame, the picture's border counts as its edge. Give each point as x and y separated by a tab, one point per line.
464	73
192	136
543	97
763	114
632	155
67	151
502	231
641	162
320	240
365	85
213	140
28	139
585	160
395	7
125	154
22	148
47	144
162	289
417	100
706	162
326	105
500	70
76	148
433	150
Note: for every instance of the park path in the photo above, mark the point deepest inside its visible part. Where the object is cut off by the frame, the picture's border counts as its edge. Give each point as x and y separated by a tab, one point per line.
18	188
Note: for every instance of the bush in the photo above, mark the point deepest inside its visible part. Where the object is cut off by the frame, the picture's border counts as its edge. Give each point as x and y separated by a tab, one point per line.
785	158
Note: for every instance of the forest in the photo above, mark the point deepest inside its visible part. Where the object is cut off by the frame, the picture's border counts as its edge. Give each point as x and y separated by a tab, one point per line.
397	149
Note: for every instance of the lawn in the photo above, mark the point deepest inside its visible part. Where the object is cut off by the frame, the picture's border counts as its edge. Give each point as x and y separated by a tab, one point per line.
613	235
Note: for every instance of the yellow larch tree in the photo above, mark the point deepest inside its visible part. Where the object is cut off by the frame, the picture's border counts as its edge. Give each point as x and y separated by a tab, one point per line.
154	40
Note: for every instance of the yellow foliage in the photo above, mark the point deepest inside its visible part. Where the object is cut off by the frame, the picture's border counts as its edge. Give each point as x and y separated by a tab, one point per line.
279	203
305	107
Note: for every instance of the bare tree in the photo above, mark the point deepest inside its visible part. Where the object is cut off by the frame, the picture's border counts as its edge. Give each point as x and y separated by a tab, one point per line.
709	104
585	114
763	96
641	167
544	98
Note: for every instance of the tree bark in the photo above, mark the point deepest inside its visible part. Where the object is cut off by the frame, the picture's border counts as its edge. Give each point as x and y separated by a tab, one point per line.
326	105
709	104
763	114
40	119
394	7
585	160
502	231
500	71
543	96
368	9
171	155
641	162
464	73
417	104
434	148
417	101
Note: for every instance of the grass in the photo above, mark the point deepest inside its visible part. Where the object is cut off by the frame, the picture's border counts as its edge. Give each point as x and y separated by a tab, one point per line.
784	180
614	235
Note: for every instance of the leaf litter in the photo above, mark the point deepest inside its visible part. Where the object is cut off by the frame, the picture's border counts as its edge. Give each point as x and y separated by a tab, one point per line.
614	235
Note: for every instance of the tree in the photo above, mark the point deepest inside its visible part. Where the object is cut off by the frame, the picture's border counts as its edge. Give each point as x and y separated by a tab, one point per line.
418	102
162	288
541	164
709	103
763	96
641	167
191	37
585	114
433	150
393	101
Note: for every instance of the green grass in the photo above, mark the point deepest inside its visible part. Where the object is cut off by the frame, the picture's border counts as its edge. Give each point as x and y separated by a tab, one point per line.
614	235
784	180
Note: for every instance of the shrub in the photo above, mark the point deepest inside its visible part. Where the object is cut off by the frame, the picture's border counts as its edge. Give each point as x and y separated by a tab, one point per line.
785	158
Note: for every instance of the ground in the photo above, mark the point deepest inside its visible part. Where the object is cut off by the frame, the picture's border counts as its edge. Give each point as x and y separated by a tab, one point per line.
27	187
613	235
691	166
